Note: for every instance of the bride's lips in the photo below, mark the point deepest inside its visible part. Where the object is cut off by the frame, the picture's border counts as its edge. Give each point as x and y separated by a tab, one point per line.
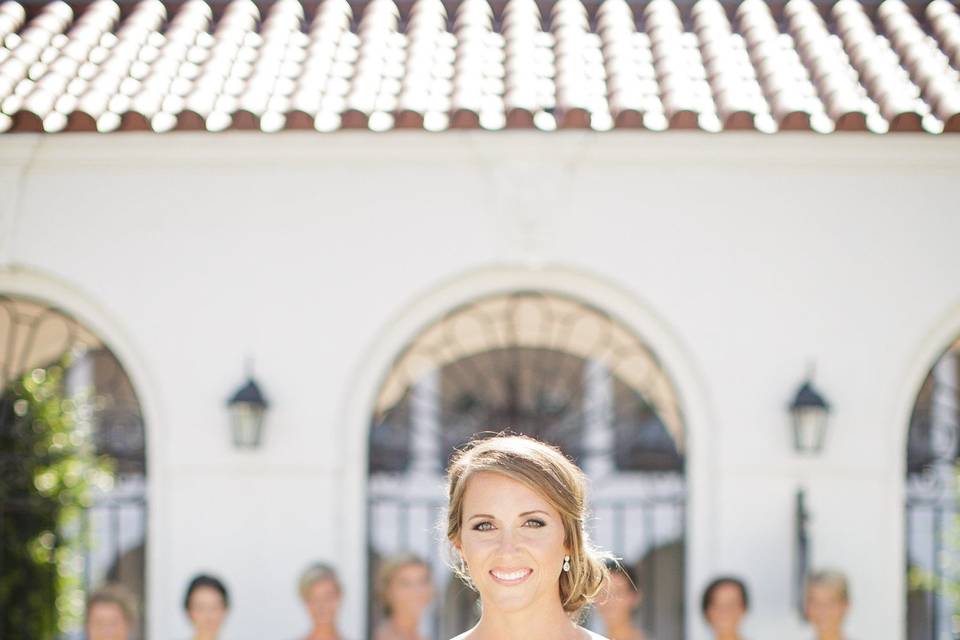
510	576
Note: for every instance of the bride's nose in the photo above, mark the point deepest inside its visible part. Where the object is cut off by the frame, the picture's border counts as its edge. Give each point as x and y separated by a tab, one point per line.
508	542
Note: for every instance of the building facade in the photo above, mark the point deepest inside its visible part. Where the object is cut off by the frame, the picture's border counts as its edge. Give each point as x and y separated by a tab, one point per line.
736	261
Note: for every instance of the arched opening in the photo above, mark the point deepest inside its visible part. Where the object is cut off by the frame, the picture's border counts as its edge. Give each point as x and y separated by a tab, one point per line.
73	513
933	503
560	370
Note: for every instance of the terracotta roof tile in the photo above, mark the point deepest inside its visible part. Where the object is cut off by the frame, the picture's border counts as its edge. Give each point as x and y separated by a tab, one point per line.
447	64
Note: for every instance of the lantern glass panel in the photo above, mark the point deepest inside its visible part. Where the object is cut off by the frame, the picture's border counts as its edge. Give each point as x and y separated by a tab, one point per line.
247	420
809	425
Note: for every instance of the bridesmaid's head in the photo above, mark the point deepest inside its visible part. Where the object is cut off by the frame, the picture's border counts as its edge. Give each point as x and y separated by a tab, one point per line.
206	603
111	614
827	600
725	602
321	593
622	595
404	585
516	516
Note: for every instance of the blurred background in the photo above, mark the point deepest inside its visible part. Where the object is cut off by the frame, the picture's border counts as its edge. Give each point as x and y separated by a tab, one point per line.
241	354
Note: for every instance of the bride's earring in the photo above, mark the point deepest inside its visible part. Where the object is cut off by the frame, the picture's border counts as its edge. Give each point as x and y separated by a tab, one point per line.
566	563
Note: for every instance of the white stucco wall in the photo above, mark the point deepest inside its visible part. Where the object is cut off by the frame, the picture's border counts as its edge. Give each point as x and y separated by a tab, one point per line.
739	258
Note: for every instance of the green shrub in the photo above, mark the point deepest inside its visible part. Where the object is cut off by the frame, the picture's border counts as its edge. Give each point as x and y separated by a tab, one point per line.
50	473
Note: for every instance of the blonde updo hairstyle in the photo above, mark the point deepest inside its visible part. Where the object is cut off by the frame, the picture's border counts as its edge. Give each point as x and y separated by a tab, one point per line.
547	471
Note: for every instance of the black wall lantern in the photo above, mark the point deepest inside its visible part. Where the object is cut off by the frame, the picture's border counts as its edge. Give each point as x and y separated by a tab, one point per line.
247	409
809	413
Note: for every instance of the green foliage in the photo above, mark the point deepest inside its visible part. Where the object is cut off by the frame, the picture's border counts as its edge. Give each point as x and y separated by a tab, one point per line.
50	471
947	583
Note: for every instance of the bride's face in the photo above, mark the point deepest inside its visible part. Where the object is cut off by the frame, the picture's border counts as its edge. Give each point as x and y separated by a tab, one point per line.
512	540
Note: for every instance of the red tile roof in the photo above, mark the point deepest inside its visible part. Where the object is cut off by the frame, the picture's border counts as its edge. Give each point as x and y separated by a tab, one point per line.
472	63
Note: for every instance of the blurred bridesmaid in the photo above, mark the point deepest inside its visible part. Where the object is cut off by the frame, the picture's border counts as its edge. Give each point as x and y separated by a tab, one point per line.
827	600
404	592
725	603
321	594
206	603
111	614
621	601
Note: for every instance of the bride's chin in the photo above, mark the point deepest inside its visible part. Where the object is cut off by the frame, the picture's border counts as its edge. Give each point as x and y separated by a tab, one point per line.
510	603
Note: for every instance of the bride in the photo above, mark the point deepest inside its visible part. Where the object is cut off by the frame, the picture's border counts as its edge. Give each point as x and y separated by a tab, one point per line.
516	515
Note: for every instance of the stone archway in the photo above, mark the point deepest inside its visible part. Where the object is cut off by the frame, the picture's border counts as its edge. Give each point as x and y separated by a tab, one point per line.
556	368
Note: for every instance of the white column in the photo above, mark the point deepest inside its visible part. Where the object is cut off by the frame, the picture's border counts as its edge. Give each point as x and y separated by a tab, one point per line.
425	420
598	436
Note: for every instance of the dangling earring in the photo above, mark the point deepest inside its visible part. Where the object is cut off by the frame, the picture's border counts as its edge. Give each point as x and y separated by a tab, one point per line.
566	563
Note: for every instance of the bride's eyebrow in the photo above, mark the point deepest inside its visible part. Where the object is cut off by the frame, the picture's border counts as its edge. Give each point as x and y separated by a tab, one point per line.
522	515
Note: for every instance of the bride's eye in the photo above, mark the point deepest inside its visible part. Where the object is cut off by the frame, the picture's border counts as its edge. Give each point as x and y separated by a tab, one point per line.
535	523
483	526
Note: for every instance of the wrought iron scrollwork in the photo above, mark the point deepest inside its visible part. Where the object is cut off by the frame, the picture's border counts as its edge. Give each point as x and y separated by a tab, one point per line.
523	362
933	497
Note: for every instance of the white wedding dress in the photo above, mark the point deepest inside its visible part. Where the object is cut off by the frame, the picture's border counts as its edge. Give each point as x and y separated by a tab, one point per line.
590	634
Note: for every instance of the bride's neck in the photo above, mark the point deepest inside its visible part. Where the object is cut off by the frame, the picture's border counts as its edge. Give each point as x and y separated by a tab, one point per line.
544	623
